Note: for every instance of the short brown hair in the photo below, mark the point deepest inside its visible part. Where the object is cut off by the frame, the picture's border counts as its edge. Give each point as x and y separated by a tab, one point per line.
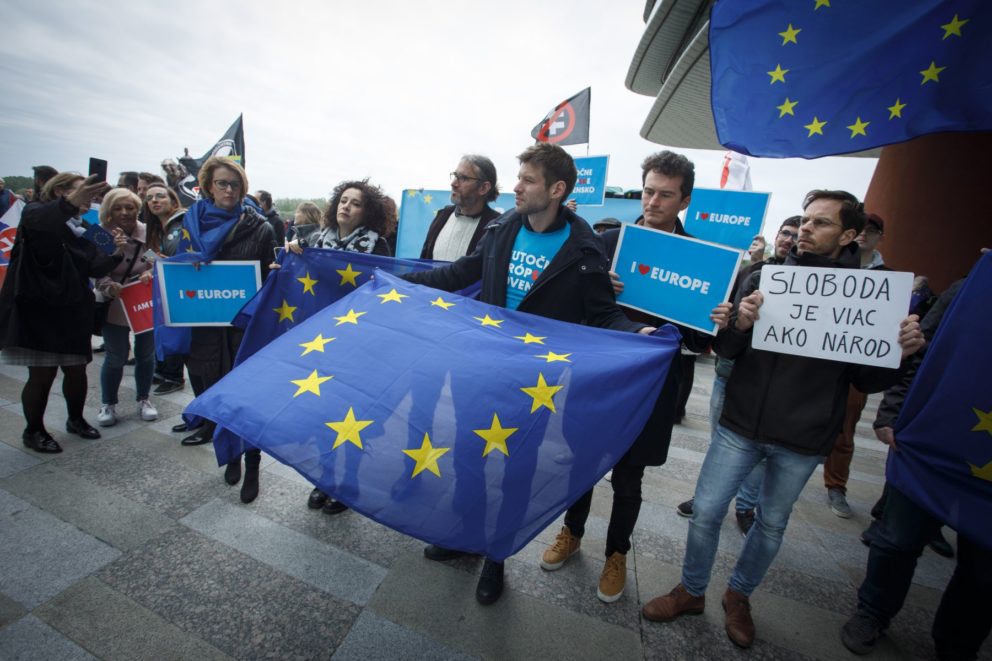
206	174
671	164
556	165
852	211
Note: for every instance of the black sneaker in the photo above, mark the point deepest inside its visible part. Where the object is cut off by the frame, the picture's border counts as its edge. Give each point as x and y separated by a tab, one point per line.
745	519
166	387
685	509
860	633
941	546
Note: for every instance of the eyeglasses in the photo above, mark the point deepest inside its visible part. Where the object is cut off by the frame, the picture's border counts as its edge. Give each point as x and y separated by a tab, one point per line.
462	178
791	235
156	196
224	185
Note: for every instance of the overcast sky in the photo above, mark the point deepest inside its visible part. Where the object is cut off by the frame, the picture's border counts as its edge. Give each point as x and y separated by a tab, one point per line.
392	90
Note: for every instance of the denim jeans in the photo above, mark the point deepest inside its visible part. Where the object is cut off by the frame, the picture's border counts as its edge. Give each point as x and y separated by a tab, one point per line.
117	340
963	619
729	460
747	495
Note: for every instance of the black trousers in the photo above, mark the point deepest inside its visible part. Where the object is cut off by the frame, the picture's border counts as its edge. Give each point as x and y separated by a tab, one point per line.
688	367
626	483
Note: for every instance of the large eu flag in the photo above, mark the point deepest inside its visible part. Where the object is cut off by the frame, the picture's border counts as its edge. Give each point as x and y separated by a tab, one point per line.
829	77
944	432
461	423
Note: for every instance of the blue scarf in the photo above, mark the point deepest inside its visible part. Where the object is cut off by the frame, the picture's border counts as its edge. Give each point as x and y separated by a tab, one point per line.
208	226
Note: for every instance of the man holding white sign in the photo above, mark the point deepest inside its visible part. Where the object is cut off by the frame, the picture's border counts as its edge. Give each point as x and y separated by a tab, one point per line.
781	407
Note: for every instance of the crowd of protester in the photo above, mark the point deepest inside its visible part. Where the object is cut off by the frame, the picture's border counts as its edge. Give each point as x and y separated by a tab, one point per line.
61	289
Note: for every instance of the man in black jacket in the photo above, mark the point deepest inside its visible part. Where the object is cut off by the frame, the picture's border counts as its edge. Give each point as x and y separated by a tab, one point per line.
539	258
783	408
272	216
456	229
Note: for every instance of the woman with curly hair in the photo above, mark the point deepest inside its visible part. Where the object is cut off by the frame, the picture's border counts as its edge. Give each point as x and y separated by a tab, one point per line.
356	219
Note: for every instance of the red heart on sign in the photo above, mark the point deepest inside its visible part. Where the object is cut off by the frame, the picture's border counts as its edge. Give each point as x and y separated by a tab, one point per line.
191	293
704	216
535	275
644	268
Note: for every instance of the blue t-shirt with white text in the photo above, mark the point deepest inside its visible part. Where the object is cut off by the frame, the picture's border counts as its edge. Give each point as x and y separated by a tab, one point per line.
532	252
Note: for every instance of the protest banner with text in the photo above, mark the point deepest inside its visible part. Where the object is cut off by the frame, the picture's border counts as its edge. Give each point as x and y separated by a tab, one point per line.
136	297
206	294
678	278
590	183
848	315
728	217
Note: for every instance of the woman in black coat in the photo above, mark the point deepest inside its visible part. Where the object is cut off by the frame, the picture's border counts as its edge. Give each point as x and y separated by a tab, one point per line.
47	307
223	227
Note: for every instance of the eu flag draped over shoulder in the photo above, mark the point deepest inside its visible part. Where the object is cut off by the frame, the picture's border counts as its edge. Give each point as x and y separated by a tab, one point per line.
825	77
944	432
457	422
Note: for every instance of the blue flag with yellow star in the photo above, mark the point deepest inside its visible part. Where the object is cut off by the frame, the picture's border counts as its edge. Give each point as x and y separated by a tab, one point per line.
460	423
943	460
827	77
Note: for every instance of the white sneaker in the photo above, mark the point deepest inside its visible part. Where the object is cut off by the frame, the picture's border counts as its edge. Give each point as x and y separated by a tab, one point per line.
146	410
107	417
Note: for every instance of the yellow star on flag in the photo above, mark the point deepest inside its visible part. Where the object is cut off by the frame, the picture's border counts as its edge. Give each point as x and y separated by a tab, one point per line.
778	75
348	276
308	284
310	384
285	311
816	126
932	72
190	249
393	295
984	421
530	339
348	429
858	128
316	344
790	35
186	234
441	303
428	198
495	437
411	193
542	394
982	472
821	3
489	321
350	318
786	108
426	457
895	110
954	27
553	357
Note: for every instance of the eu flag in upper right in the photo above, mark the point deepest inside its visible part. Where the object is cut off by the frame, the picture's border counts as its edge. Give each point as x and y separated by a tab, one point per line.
943	459
822	77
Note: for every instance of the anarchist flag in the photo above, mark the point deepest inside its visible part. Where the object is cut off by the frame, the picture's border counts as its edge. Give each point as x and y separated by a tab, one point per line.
567	123
231	145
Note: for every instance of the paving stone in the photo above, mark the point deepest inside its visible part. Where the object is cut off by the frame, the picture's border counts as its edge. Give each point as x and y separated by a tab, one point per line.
30	639
41	555
373	638
241	606
340	574
10	610
113	626
13	460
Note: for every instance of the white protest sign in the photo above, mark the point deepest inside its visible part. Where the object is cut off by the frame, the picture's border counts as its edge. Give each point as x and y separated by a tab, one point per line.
849	315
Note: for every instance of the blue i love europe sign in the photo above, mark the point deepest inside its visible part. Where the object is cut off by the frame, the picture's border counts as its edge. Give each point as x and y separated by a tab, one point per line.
210	295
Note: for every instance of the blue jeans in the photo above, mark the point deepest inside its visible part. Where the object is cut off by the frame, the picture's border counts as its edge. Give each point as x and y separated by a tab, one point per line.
747	495
117	340
730	459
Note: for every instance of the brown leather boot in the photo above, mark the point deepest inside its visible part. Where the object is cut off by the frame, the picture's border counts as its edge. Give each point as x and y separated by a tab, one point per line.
739	625
670	606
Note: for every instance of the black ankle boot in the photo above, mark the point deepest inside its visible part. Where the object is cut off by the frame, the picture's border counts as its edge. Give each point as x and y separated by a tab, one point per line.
249	488
490	585
232	474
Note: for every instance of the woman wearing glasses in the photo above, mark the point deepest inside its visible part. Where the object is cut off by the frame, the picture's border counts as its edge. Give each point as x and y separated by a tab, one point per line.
222	227
356	219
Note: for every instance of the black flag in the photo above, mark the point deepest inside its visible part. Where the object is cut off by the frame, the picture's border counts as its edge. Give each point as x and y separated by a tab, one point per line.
231	145
567	123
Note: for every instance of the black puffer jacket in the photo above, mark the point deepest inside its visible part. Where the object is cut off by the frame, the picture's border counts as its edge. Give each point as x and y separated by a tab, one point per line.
46	303
787	400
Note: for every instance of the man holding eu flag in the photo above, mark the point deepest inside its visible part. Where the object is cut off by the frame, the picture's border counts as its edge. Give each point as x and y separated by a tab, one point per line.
539	258
780	408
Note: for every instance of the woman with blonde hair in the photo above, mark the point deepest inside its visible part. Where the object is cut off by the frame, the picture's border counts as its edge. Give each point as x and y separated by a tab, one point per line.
119	212
222	227
47	307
